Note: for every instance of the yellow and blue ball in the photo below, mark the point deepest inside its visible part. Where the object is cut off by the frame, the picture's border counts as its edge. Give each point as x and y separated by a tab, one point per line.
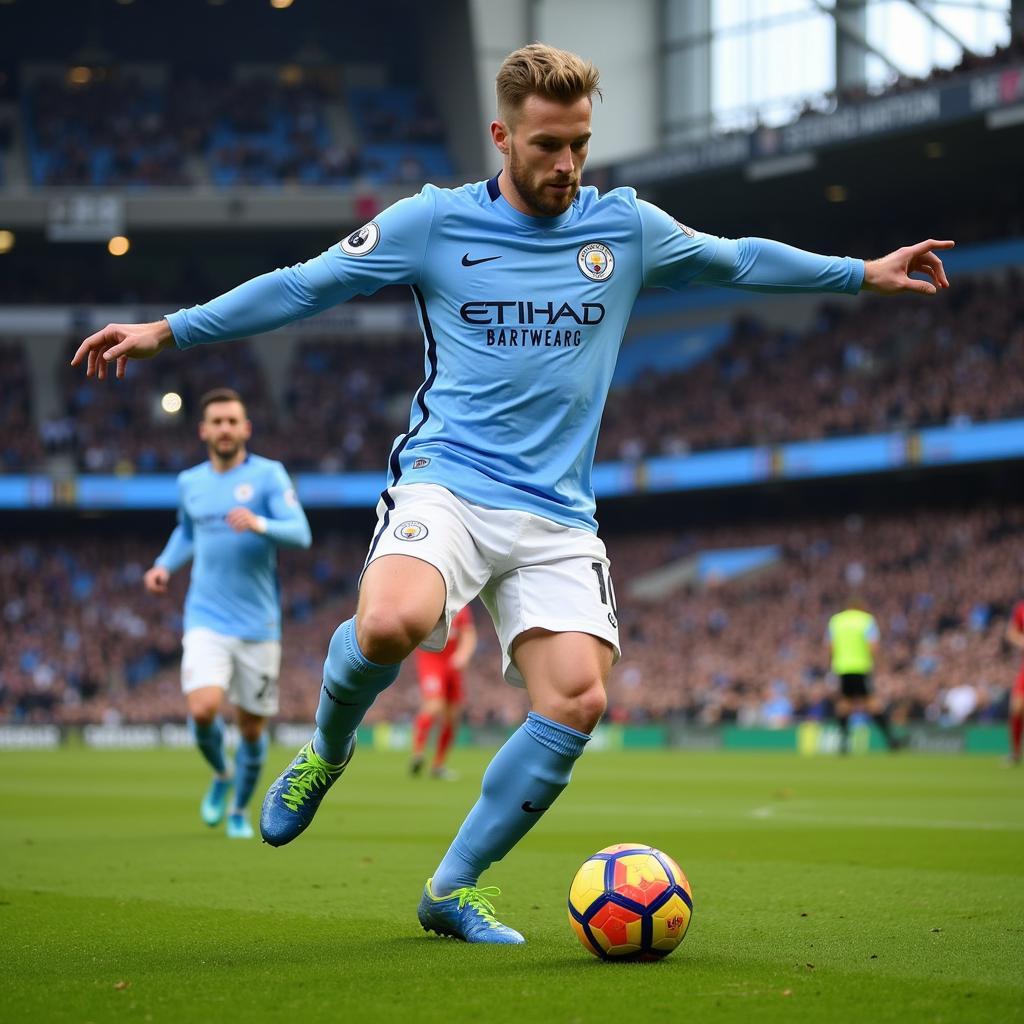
630	902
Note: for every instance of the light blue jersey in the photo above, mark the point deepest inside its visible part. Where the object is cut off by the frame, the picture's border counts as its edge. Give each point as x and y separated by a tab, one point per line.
234	589
522	319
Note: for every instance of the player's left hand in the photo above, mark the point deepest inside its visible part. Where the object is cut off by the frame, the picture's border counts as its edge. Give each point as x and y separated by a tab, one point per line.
241	519
890	275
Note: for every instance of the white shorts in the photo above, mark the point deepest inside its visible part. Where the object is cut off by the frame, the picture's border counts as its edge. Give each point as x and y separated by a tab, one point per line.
246	669
529	571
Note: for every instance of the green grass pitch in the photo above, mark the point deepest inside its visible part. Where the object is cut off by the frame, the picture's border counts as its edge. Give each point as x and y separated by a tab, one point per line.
870	889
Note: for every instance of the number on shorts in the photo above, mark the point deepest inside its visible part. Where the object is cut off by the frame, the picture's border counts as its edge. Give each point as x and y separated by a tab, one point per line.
607	589
268	688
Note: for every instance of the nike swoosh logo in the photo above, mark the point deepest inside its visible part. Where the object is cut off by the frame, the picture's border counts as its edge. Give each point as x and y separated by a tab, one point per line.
338	700
467	262
530	809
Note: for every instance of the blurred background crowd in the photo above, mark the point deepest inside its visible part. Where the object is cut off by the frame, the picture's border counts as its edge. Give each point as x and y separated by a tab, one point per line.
219	162
82	642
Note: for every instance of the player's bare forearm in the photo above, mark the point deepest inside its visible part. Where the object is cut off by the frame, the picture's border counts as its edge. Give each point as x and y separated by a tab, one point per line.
890	275
117	343
1015	637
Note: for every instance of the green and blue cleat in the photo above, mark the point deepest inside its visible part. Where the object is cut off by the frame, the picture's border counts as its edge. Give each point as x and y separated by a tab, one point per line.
215	803
295	795
466	914
238	826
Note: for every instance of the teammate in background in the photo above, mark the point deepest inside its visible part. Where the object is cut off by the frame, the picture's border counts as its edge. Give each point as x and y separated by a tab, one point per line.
853	640
523	285
233	512
440	679
1015	636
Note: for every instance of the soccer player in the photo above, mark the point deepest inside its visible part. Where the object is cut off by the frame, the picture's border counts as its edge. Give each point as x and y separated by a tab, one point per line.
853	640
234	511
440	679
523	285
1015	636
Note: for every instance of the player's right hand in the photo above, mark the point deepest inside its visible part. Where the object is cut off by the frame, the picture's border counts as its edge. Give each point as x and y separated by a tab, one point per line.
118	343
156	579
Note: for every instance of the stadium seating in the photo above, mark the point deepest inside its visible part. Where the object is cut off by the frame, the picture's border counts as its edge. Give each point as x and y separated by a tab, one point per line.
80	641
871	368
110	127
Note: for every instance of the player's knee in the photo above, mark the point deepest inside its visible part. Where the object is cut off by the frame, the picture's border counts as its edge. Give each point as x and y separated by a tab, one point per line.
203	712
250	731
387	635
580	705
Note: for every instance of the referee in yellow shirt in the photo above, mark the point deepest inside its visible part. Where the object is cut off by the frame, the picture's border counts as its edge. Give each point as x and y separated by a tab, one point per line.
853	641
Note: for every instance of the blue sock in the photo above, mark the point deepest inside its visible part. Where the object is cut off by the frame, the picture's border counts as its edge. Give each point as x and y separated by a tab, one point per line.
210	741
524	779
351	684
249	760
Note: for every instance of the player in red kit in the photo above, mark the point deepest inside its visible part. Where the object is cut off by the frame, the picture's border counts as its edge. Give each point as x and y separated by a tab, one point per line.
1015	635
440	676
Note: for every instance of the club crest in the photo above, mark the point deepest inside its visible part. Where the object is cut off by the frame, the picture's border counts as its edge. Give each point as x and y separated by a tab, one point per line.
595	261
411	531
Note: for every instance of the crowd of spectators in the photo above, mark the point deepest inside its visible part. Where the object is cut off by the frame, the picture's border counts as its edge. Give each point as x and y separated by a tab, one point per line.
346	405
106	126
112	127
80	640
872	368
940	583
104	130
107	427
20	444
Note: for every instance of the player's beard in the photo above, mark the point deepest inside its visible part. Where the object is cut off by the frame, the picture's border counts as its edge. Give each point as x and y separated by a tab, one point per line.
226	449
542	203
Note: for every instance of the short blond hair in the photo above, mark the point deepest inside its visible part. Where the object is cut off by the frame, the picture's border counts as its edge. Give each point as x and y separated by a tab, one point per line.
539	70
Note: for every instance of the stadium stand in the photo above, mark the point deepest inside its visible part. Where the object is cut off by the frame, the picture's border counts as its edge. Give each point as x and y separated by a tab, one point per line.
95	424
857	369
154	126
82	642
748	650
20	445
866	369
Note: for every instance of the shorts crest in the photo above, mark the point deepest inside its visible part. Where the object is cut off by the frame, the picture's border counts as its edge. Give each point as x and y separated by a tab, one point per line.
411	530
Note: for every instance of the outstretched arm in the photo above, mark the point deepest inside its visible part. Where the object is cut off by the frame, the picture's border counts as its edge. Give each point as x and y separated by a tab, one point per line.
387	251
262	304
760	264
676	255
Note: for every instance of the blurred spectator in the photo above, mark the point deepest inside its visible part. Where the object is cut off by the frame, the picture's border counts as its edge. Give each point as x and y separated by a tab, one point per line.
20	447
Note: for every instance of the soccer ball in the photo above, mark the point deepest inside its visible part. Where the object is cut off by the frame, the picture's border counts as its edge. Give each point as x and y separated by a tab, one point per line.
630	902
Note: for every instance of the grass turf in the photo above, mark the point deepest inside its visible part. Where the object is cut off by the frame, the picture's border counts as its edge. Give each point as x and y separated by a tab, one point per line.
868	889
